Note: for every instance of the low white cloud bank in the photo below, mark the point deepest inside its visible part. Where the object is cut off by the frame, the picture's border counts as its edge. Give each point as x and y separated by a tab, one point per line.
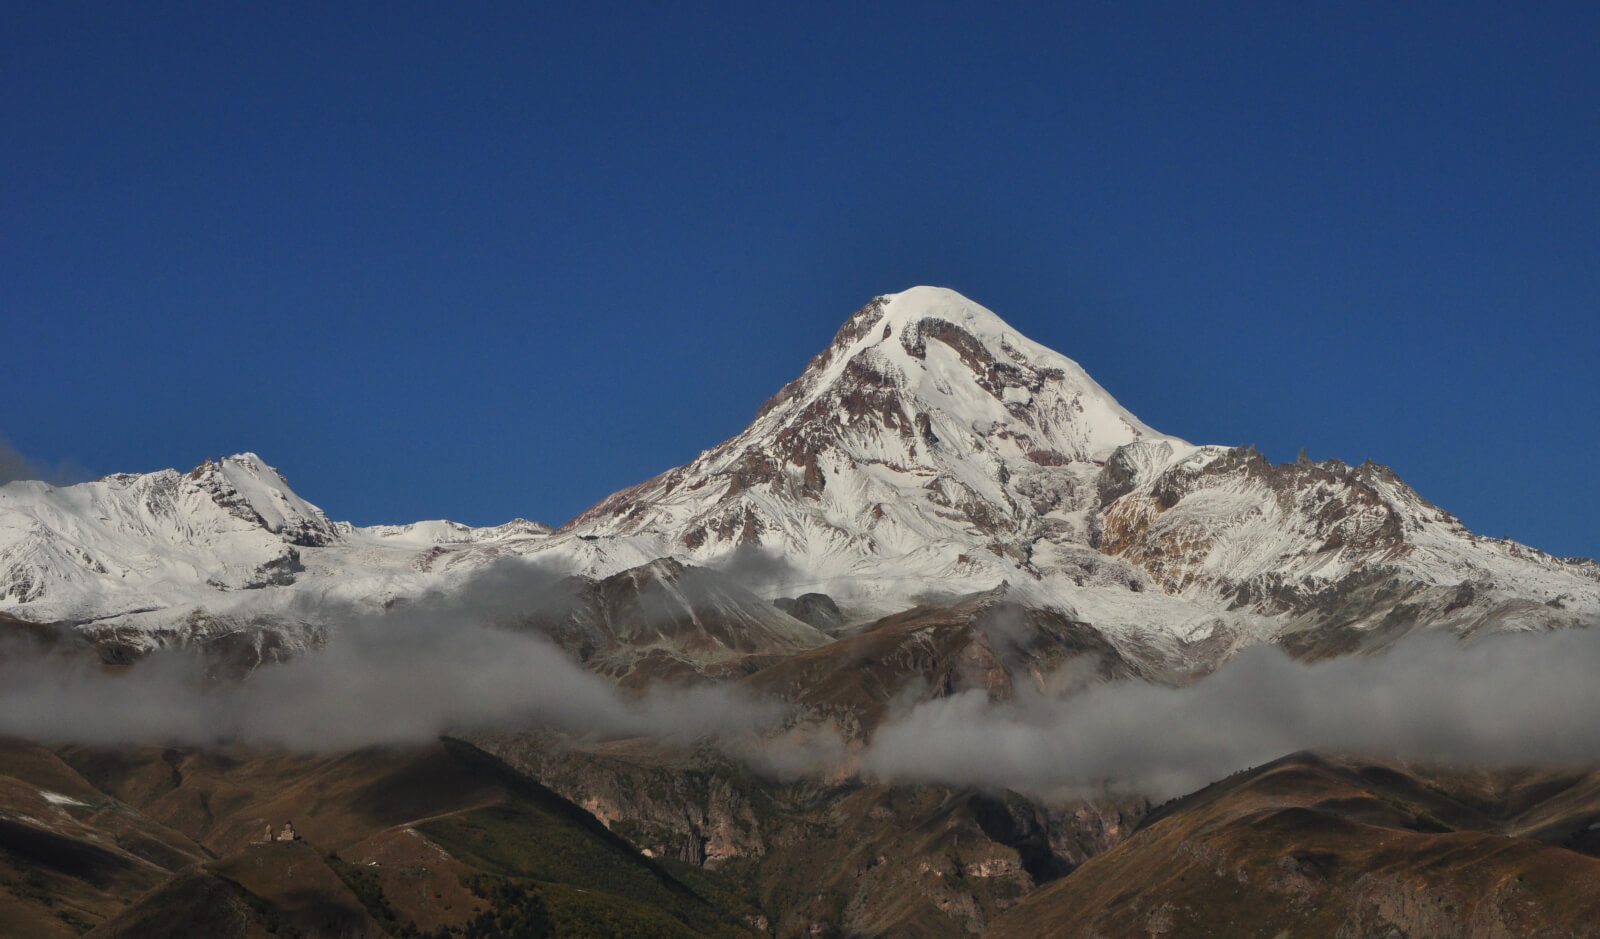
413	673
1502	700
401	677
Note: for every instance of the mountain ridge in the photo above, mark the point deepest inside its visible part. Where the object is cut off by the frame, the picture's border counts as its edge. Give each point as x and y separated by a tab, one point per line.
930	450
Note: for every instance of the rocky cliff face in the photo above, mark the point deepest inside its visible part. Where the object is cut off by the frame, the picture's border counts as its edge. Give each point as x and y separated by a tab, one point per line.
985	641
827	857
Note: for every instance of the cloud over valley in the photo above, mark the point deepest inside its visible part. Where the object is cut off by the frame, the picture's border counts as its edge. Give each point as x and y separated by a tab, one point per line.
417	670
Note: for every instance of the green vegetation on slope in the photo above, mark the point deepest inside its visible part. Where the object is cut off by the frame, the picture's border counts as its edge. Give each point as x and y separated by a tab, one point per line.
515	912
537	835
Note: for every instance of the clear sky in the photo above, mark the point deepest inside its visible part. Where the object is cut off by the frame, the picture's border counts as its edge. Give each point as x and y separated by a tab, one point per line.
479	261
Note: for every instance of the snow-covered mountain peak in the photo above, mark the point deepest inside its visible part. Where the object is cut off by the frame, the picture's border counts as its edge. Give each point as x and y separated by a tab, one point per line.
932	447
894	313
167	543
937	353
929	440
152	540
909	307
248	488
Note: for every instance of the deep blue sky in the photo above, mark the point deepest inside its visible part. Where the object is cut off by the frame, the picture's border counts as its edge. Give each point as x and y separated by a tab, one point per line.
454	260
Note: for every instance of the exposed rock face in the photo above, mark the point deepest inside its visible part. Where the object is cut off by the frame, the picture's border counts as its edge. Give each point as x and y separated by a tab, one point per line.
985	641
667	620
831	857
816	609
1327	550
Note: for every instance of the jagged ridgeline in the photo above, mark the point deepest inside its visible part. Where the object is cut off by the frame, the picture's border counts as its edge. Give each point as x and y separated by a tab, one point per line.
937	510
929	451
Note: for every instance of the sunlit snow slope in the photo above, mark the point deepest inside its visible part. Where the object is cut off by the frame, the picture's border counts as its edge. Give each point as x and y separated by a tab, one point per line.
228	538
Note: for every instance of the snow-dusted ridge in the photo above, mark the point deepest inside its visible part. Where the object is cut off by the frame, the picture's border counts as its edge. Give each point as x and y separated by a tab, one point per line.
159	545
930	450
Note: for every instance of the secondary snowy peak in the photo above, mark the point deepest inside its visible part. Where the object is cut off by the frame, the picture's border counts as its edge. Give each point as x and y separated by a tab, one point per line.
169	543
131	541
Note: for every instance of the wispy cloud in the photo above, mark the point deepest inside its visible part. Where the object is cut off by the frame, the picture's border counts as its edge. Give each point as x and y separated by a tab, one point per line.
14	466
